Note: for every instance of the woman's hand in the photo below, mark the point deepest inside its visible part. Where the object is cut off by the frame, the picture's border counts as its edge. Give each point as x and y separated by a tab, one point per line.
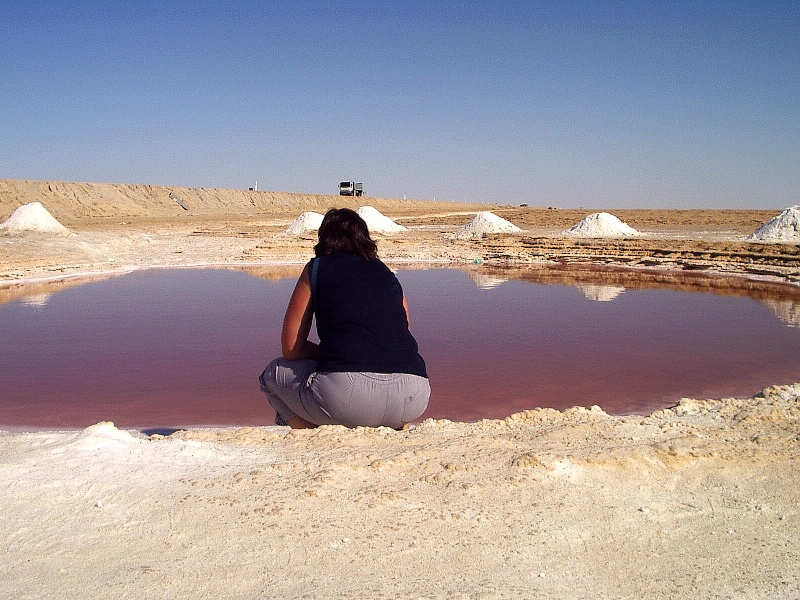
297	322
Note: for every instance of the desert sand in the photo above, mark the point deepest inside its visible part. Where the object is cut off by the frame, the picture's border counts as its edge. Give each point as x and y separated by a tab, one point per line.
698	500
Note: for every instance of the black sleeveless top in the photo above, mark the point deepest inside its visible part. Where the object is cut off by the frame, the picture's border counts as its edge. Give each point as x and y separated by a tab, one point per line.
361	323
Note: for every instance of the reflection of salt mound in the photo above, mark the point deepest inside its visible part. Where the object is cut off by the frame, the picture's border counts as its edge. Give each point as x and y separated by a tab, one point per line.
783	228
33	217
484	281
308	221
486	222
787	311
36	300
377	222
601	224
601	293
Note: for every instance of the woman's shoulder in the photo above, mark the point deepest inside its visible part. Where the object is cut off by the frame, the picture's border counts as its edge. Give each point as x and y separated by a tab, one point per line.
352	263
353	259
380	269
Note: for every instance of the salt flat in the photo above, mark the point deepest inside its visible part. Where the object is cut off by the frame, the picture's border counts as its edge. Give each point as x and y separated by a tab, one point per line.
695	501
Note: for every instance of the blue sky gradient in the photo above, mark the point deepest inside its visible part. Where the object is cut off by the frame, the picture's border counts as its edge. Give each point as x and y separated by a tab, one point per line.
595	104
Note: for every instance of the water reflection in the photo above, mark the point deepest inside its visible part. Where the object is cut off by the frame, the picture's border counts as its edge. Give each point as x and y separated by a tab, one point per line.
605	284
39	294
601	293
486	281
36	301
787	310
178	347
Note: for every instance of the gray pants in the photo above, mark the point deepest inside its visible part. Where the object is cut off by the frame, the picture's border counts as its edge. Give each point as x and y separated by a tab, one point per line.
295	388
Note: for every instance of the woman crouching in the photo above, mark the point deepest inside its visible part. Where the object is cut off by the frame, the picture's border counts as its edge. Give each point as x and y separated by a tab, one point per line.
366	370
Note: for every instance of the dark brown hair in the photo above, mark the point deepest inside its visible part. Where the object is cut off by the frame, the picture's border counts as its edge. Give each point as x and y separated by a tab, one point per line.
343	230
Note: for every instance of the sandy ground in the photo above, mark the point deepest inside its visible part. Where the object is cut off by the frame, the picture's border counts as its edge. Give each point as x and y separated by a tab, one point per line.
695	501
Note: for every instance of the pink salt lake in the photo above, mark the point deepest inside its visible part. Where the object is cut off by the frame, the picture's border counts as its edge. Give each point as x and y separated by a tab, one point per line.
168	348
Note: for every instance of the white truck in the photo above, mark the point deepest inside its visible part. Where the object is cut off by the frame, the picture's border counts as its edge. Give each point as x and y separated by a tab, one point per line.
351	188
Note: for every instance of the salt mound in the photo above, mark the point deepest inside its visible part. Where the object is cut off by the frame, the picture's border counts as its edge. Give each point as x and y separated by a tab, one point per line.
33	217
100	436
783	228
308	221
377	222
486	222
601	224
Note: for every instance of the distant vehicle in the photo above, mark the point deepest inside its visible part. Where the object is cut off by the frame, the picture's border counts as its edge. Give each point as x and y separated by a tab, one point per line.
351	188
524	205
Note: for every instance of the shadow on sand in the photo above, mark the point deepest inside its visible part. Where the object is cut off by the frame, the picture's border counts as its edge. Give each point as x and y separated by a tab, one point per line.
165	431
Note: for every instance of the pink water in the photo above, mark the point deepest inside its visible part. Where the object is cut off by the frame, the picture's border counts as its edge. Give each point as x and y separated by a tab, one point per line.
185	347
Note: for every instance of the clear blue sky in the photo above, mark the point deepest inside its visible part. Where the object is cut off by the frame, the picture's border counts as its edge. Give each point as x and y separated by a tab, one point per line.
595	104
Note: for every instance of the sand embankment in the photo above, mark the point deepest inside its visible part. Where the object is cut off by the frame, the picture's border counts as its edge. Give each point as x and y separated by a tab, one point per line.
73	202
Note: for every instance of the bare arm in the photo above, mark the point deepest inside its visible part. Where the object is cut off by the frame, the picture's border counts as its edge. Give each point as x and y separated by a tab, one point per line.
408	314
297	322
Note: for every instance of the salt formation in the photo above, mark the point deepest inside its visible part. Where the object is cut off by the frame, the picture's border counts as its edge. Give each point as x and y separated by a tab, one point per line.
33	217
599	225
308	221
783	228
601	293
103	436
377	222
486	222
